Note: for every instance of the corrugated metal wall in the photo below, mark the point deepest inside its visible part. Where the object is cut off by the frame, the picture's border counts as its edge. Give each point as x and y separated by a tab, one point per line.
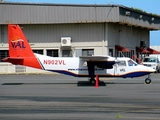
53	33
23	13
3	34
131	36
139	19
127	36
39	13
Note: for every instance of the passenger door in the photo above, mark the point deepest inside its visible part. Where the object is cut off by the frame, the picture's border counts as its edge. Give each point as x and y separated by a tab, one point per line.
120	68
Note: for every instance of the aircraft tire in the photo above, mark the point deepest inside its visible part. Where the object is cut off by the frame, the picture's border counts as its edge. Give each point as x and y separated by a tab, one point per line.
147	81
92	81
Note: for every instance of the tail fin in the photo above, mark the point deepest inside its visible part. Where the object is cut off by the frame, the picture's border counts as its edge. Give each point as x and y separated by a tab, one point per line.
18	44
19	50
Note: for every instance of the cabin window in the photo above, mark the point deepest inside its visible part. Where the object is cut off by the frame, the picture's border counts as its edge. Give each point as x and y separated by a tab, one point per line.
3	54
131	63
122	63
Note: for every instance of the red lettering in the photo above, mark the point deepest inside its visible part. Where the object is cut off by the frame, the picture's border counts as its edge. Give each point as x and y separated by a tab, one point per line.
64	62
45	61
60	62
54	62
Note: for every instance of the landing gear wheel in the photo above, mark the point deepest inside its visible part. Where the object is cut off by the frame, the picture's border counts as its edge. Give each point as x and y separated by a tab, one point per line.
92	81
147	80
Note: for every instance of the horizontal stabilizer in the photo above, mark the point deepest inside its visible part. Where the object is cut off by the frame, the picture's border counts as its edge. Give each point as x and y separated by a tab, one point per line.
14	60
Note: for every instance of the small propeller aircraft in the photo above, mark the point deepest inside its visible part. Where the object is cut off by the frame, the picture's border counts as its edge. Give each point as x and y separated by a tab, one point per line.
20	53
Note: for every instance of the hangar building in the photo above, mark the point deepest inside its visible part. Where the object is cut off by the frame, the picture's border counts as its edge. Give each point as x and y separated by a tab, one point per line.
72	30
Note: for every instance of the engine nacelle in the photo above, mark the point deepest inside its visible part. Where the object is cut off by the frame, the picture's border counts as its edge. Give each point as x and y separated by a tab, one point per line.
104	64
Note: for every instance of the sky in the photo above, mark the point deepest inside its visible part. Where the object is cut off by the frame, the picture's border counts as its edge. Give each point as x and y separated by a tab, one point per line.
150	6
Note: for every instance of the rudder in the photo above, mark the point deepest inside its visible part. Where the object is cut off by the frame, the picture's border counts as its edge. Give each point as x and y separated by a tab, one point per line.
18	44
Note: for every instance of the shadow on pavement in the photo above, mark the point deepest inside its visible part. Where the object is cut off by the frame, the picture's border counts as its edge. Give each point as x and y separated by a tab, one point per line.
87	83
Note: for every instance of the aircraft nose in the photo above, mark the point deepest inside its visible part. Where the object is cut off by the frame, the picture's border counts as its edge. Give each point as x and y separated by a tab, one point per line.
152	70
149	69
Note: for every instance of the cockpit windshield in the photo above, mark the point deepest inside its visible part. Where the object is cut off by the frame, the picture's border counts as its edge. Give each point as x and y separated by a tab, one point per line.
131	63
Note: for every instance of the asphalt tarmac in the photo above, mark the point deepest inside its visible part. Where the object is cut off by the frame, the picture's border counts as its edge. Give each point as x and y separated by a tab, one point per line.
60	97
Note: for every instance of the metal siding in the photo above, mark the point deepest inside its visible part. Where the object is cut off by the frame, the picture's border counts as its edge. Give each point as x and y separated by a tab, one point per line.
79	14
53	13
112	34
72	14
53	33
5	13
67	14
1	33
5	34
134	19
1	13
127	36
112	14
93	17
98	15
26	16
35	14
50	13
103	13
83	12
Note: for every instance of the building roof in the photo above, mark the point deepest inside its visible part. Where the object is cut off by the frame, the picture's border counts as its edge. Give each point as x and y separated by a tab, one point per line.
46	13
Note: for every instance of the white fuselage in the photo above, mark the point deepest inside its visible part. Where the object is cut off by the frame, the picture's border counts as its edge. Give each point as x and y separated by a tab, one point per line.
76	66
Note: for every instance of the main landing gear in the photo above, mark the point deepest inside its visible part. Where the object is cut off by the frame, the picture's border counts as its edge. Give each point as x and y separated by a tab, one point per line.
148	80
92	81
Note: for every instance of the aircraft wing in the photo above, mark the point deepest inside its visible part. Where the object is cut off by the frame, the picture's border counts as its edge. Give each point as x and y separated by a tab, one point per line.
95	58
105	62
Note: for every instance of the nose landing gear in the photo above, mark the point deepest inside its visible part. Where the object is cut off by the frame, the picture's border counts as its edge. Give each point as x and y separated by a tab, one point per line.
148	80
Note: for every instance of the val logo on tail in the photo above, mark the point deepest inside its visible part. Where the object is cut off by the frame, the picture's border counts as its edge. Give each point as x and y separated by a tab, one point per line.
17	42
20	53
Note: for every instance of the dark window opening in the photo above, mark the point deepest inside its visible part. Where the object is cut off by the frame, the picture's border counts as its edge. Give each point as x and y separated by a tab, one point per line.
87	52
52	53
38	51
3	54
67	53
110	52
